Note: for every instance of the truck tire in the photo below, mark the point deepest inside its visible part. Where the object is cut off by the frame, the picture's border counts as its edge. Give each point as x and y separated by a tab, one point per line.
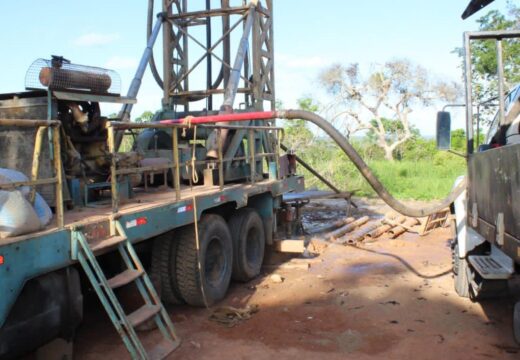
164	268
516	322
247	232
205	287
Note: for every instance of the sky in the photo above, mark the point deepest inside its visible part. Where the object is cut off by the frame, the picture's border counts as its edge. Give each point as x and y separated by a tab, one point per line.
308	36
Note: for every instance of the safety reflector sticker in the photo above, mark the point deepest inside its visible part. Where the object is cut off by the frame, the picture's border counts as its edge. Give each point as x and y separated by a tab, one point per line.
1	259
136	222
219	199
184	209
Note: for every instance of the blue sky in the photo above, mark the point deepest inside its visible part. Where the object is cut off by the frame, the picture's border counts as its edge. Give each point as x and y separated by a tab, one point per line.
309	35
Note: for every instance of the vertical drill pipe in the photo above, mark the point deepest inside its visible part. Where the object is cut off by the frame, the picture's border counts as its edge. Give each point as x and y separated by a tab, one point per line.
176	179
59	175
234	79
226	45
243	48
209	70
36	160
133	90
153	66
167	55
185	59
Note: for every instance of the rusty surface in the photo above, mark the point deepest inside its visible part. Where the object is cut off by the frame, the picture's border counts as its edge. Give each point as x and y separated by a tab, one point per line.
399	230
360	234
74	79
335	234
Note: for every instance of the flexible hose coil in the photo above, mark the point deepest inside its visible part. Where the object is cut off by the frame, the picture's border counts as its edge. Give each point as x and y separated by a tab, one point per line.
363	168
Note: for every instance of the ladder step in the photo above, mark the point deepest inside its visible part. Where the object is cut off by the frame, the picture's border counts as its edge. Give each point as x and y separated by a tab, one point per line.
143	314
107	243
126	277
163	349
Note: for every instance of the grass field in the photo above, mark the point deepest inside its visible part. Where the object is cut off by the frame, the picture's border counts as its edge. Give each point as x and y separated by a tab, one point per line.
420	180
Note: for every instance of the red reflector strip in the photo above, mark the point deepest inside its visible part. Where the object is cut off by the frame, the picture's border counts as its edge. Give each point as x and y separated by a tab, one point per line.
142	221
1	259
185	208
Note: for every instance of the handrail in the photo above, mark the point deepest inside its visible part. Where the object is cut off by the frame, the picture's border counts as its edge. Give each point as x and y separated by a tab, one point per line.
41	126
175	165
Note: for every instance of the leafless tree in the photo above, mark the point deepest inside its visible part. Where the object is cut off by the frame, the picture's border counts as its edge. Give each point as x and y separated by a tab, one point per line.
390	91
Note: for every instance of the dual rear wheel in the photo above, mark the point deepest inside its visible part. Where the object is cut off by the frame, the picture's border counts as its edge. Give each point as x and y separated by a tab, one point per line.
201	277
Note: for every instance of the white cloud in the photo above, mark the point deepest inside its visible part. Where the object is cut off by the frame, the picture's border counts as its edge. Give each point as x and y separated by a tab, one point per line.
96	39
121	63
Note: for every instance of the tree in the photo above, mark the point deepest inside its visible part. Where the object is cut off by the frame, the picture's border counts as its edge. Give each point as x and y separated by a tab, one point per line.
484	52
297	134
145	117
383	101
484	61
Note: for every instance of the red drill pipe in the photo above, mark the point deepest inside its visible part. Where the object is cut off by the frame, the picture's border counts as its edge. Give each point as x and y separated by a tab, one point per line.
209	119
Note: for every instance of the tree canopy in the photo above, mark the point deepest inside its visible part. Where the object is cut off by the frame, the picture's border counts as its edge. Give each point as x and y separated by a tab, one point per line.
382	101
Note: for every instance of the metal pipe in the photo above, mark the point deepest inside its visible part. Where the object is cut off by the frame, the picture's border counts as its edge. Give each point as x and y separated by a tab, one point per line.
380	230
177	176
113	169
209	69
167	56
315	173
398	230
133	90
226	45
220	162
252	160
16	184
36	159
500	72
151	62
331	227
339	234
58	170
469	92
28	123
234	80
361	233
243	48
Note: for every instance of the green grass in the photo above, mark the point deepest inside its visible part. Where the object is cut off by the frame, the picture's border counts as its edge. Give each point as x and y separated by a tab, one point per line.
425	179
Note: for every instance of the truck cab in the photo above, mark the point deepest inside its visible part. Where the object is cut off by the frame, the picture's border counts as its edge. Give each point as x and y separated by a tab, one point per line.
486	246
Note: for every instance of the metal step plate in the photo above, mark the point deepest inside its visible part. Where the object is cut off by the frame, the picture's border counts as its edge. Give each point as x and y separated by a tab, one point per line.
490	267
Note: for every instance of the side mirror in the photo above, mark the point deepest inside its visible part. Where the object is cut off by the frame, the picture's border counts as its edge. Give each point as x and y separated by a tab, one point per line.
443	130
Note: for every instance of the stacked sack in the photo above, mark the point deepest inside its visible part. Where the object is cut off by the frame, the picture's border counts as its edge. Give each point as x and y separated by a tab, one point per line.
17	215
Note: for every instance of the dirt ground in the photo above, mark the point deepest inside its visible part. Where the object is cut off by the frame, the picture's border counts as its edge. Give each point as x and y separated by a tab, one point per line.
350	303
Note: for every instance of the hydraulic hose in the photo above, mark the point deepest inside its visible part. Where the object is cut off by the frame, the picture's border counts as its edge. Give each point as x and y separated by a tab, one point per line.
363	168
343	143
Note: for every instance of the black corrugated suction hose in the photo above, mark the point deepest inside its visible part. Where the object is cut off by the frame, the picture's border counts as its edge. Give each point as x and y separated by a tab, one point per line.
363	168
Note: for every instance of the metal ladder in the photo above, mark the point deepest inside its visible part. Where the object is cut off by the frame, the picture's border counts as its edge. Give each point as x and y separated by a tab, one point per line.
135	273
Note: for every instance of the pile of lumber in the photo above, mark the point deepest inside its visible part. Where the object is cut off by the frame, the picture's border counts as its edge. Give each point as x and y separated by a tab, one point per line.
364	229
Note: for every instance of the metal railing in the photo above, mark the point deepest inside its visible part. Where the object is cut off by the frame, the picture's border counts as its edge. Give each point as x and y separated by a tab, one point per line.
175	165
42	126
